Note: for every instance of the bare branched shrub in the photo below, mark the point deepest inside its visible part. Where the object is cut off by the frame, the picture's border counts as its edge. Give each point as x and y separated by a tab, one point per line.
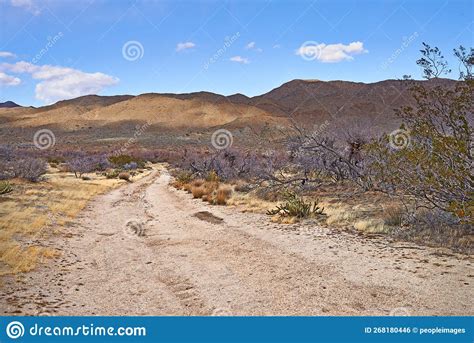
29	168
87	164
233	164
334	156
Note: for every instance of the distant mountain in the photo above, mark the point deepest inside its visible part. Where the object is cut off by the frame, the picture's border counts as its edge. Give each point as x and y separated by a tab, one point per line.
8	104
344	105
313	102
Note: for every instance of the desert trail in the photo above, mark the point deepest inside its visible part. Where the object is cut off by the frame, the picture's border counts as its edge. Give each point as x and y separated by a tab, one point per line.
148	249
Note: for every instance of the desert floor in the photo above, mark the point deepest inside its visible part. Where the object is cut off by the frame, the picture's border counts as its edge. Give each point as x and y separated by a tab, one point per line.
148	249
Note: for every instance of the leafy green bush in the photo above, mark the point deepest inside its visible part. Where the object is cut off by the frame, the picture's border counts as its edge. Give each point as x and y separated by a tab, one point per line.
5	187
296	206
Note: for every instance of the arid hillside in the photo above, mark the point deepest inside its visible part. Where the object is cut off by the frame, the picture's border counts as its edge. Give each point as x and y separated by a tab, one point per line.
307	102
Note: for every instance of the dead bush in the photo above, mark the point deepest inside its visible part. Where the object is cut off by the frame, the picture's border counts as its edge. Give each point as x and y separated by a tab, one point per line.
223	194
29	168
198	191
393	215
124	176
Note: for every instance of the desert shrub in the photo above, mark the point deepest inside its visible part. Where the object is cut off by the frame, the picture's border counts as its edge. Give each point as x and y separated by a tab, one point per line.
198	191
85	178
430	157
56	160
212	176
6	159
29	168
243	187
112	174
130	166
223	194
232	164
124	176
126	160
334	156
184	177
5	187
437	228
393	215
120	160
87	164
296	206
198	182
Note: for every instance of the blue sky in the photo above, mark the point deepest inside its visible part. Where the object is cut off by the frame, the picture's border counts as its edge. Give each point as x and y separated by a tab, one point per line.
53	50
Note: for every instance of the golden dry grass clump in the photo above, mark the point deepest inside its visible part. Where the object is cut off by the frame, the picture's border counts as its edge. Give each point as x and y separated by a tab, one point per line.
223	194
209	189
198	191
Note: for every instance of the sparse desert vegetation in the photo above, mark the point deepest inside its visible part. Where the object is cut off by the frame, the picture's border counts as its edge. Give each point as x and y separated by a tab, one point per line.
400	184
37	200
412	183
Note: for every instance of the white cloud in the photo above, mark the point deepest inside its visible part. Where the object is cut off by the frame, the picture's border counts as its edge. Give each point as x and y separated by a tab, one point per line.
184	46
29	5
240	59
8	80
277	46
59	83
253	46
329	53
250	45
7	54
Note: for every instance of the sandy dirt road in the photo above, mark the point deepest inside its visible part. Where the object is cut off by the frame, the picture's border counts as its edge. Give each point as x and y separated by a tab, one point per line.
142	250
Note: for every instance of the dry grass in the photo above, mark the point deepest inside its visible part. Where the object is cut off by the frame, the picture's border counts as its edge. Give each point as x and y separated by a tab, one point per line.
34	212
124	176
371	226
198	191
223	194
249	203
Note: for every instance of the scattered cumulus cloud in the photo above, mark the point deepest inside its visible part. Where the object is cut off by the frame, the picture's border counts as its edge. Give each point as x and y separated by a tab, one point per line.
60	83
7	54
184	46
253	46
8	80
29	5
330	53
277	46
240	59
250	45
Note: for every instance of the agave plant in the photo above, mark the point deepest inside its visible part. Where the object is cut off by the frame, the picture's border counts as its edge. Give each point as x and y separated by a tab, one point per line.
5	187
296	206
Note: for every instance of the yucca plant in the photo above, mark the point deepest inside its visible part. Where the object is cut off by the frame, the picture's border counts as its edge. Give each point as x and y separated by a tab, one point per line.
5	187
296	206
